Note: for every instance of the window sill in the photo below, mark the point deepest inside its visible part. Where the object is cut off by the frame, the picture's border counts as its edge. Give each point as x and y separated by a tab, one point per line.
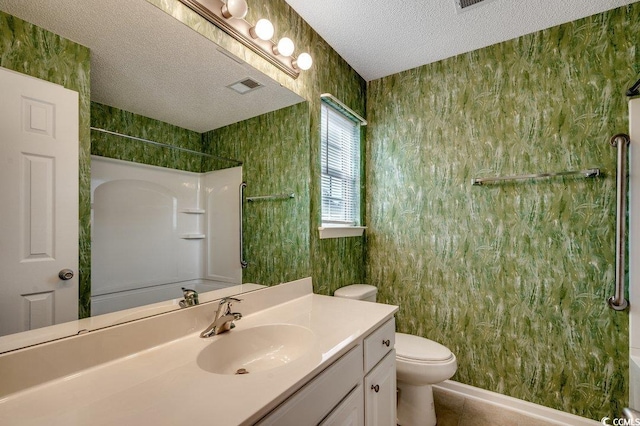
340	231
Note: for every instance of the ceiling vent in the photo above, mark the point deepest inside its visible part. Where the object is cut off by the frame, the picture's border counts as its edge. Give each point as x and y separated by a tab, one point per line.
245	86
463	5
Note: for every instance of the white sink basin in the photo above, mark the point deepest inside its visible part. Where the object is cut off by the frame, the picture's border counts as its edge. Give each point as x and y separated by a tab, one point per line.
257	349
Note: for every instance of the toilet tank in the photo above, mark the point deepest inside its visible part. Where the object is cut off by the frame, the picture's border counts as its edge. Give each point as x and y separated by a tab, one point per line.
364	292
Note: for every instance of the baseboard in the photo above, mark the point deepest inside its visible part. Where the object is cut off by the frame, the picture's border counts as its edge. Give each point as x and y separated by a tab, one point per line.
549	415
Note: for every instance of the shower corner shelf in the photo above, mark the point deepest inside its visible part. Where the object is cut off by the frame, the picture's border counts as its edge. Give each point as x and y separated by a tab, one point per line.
192	211
192	236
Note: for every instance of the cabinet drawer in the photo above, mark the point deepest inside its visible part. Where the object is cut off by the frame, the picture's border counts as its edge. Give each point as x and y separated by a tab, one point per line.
317	398
378	343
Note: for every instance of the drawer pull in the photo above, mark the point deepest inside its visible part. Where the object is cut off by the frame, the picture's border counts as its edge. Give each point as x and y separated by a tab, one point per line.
386	342
375	388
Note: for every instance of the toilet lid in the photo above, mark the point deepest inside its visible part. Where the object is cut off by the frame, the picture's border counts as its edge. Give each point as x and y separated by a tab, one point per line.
356	291
418	348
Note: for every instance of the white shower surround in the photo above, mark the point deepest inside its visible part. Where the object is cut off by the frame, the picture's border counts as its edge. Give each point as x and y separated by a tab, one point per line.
155	230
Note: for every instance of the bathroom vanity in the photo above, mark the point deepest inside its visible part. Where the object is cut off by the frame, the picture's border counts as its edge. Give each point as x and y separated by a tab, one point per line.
345	393
306	359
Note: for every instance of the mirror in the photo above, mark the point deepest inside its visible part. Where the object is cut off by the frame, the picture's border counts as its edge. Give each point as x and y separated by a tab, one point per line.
148	67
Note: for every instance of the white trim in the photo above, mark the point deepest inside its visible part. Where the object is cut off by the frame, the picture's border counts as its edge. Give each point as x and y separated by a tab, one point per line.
546	414
340	231
332	99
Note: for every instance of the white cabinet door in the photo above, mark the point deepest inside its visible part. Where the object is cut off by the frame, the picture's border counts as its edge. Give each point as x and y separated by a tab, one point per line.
39	209
321	395
350	412
380	393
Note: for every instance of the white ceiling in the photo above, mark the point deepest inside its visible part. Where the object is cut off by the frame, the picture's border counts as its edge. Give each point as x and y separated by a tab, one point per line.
378	38
146	62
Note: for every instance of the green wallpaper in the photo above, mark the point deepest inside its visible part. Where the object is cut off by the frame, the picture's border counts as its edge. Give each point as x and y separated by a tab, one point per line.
331	263
512	277
31	50
338	262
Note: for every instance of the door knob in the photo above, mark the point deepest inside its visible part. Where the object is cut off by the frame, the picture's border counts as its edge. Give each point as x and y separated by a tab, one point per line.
65	274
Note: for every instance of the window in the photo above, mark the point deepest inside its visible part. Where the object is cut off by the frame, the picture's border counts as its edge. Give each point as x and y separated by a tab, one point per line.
340	163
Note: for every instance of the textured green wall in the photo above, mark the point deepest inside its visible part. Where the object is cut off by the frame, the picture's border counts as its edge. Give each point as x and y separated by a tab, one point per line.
513	277
331	263
31	50
334	262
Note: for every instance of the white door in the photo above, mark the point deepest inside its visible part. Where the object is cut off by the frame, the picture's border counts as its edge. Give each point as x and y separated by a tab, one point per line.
39	205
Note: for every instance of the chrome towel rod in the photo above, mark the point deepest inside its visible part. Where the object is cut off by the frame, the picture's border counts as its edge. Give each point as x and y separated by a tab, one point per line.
621	142
588	173
272	197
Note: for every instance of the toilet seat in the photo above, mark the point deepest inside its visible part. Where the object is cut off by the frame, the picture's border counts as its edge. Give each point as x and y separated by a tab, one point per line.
416	349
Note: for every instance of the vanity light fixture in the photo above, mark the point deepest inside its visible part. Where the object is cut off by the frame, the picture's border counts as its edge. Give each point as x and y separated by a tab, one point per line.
262	30
235	9
303	62
228	15
284	47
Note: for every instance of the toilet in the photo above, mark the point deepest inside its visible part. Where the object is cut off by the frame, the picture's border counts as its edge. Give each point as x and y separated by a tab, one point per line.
420	363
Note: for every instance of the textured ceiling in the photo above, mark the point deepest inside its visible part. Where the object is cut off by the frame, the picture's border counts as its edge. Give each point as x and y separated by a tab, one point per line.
146	62
378	38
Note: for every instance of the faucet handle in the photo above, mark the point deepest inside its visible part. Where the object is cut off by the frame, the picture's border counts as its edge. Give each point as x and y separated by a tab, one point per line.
227	301
187	292
190	298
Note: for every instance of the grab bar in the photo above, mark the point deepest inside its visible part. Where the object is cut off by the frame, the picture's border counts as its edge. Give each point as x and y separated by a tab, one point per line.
243	262
621	142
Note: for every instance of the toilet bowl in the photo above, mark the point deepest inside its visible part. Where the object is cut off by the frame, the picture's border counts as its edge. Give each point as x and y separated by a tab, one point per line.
420	363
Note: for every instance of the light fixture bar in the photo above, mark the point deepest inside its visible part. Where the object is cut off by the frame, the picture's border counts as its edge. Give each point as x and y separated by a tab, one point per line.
239	29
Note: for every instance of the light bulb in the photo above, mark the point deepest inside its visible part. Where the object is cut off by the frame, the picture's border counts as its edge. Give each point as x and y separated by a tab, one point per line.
285	47
303	62
235	9
262	30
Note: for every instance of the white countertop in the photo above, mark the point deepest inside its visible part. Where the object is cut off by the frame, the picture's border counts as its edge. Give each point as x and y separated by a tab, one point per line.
165	386
39	335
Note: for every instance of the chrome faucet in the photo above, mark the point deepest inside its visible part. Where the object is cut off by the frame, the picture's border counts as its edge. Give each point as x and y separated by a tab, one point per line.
224	318
190	298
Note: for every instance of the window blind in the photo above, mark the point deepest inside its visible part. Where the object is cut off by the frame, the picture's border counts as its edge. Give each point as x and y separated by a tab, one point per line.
340	152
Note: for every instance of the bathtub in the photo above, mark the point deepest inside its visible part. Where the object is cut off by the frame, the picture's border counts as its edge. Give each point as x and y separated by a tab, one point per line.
634	379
